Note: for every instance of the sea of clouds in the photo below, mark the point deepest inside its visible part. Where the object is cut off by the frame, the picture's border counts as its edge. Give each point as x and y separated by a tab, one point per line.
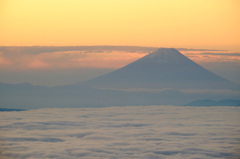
141	132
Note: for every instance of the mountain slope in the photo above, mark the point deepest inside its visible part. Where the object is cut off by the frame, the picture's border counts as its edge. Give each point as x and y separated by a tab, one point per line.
164	68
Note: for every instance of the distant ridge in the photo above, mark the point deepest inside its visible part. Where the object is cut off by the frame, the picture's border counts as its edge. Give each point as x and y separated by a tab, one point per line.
209	102
10	110
164	68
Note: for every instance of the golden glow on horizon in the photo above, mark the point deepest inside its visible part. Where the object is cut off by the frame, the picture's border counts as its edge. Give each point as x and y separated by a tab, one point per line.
19	60
161	23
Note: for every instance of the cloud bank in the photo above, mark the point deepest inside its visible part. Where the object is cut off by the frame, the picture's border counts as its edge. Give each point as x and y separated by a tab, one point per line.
139	132
94	56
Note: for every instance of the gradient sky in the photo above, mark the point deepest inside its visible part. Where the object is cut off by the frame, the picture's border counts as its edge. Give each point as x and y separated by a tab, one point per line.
212	24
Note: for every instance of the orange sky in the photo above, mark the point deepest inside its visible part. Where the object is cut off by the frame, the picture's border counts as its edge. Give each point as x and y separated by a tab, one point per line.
212	24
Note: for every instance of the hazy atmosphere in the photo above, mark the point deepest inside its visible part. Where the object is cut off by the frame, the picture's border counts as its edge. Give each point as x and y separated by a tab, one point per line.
144	79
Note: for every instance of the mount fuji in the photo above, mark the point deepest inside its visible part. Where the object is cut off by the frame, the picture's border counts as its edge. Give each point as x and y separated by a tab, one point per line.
164	68
164	77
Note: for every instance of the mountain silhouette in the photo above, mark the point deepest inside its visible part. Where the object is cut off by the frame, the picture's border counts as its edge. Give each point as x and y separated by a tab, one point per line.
164	68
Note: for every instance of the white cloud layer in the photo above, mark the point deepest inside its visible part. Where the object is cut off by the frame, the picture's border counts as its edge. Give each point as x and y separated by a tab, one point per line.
141	132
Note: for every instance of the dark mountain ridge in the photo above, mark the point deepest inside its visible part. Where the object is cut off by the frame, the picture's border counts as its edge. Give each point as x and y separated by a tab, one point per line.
209	102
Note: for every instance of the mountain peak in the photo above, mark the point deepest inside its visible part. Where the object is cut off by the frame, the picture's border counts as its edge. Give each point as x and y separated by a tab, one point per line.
165	55
165	51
